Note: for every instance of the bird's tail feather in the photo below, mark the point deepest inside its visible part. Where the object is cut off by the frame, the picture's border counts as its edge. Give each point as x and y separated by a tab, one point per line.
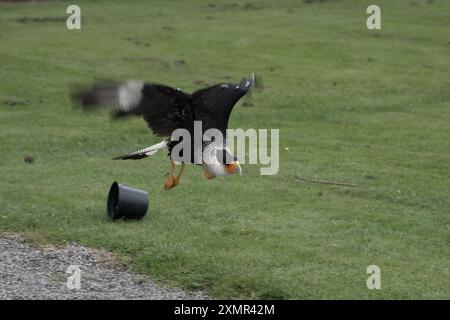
143	153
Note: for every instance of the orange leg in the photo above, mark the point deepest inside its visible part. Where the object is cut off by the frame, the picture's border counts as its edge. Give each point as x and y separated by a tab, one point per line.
173	181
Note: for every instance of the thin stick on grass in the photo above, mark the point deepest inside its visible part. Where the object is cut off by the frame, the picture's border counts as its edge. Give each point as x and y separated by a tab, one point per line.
336	183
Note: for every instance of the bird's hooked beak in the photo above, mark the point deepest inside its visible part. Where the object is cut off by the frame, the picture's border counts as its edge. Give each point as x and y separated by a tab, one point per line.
233	167
238	169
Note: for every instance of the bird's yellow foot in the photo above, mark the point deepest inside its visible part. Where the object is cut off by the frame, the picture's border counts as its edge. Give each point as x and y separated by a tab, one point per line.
208	175
171	182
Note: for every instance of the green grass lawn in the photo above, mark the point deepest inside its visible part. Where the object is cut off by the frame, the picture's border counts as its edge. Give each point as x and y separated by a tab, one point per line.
352	105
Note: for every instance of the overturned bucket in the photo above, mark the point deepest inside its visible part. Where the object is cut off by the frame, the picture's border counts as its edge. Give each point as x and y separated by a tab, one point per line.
126	203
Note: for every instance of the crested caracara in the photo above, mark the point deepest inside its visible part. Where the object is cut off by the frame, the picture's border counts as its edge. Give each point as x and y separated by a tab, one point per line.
166	109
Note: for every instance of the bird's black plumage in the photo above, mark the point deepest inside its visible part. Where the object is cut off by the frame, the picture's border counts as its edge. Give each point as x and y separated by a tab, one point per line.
213	105
166	109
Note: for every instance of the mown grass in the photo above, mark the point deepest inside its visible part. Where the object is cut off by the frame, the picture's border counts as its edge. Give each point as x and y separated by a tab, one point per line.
352	105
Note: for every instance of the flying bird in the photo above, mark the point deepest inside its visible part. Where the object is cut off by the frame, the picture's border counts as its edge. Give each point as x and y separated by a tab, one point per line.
167	109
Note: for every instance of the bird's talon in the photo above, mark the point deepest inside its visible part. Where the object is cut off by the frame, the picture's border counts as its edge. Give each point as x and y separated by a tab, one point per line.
168	183
171	182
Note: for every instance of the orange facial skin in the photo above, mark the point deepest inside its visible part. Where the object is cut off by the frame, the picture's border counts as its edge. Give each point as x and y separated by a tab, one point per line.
232	167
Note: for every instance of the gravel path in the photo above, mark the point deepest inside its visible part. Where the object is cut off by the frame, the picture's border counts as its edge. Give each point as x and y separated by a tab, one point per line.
31	272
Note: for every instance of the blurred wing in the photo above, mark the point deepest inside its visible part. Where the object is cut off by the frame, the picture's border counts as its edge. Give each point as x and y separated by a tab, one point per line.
165	109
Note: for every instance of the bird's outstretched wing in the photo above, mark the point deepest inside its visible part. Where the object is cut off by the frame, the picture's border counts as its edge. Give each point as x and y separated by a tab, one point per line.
213	105
165	109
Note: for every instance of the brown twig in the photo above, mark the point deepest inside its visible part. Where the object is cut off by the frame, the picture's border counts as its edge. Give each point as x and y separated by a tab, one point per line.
330	182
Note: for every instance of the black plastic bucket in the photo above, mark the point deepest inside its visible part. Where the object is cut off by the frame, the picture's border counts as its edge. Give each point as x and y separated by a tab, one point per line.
126	203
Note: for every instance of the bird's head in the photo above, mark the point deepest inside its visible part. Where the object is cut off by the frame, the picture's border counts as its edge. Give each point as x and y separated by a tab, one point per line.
222	164
217	170
230	163
233	167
